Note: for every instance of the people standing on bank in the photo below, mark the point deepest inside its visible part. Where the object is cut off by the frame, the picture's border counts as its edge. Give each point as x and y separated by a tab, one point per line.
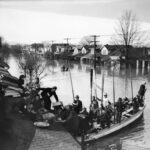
142	90
77	104
21	82
2	91
37	83
46	94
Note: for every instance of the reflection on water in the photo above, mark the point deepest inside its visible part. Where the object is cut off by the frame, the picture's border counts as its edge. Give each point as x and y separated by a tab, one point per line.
130	138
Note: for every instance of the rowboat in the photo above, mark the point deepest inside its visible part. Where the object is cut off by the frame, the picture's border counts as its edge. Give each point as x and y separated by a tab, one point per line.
127	119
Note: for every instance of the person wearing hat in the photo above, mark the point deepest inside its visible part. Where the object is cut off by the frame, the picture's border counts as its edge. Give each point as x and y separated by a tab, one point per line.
105	99
119	109
21	82
77	104
142	90
46	94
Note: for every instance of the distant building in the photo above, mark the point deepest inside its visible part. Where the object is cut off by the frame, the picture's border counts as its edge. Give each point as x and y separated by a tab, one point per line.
58	48
138	53
113	52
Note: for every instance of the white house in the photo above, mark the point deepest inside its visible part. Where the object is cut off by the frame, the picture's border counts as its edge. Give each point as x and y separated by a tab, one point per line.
76	51
92	50
104	51
83	50
59	49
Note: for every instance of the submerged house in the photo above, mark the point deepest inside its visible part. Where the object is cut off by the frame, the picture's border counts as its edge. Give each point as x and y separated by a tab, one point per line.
113	52
90	56
61	50
81	52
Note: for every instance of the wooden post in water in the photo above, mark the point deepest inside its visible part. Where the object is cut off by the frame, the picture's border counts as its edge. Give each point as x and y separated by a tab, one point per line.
71	84
126	81
131	82
91	81
114	90
102	86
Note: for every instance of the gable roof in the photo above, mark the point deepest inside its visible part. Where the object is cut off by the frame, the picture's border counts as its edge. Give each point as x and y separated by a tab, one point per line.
116	47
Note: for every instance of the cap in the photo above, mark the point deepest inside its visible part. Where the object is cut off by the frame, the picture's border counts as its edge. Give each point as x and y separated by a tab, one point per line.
54	87
105	94
77	96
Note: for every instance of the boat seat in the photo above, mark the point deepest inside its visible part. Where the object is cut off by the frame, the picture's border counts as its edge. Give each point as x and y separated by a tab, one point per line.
128	115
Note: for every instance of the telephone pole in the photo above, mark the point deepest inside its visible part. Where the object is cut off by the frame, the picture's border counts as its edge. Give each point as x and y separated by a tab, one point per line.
95	41
67	39
95	45
52	41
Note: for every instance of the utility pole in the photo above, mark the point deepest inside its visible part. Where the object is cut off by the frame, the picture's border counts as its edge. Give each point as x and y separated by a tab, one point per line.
67	39
52	42
95	45
95	41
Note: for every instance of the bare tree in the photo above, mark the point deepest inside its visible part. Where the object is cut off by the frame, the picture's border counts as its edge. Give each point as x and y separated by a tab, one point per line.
128	31
32	65
86	40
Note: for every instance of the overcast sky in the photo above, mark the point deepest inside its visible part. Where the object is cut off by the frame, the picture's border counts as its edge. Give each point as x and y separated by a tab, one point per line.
44	20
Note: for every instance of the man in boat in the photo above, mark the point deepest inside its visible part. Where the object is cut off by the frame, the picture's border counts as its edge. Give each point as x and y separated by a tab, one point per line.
105	100
70	119
140	101
77	104
102	118
135	105
119	109
108	114
126	103
46	94
142	90
94	108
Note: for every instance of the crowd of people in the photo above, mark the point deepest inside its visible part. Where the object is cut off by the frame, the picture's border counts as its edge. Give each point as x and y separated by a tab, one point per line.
76	117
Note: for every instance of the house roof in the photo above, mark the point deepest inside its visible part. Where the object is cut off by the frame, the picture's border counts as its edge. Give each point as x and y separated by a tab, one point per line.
89	56
79	55
115	47
115	53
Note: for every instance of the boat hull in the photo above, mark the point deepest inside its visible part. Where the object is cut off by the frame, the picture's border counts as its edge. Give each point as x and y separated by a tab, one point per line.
114	128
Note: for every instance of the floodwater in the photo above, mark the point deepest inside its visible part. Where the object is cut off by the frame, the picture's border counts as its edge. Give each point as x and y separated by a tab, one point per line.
134	137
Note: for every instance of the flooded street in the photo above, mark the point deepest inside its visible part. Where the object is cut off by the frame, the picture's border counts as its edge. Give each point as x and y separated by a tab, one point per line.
134	137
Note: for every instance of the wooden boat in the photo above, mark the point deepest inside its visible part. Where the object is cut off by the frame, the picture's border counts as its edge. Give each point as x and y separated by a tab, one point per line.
127	119
128	116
